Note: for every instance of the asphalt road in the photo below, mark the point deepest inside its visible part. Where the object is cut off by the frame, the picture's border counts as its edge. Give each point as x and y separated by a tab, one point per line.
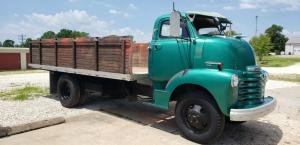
117	122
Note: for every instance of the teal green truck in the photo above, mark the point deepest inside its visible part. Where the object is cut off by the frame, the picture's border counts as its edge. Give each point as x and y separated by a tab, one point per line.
214	79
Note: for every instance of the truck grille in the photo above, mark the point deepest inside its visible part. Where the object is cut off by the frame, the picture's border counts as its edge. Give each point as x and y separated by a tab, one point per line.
251	88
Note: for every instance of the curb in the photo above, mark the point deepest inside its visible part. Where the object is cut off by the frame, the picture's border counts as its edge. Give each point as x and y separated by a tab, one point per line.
7	131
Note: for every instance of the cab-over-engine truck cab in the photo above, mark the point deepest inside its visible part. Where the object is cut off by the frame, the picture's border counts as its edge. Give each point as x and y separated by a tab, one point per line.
212	77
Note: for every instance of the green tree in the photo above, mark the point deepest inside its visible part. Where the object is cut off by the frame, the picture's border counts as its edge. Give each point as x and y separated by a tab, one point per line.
26	43
80	34
230	33
262	45
0	44
277	38
18	45
48	35
8	43
66	33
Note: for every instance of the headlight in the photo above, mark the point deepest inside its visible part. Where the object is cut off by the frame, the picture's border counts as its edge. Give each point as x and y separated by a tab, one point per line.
234	80
265	76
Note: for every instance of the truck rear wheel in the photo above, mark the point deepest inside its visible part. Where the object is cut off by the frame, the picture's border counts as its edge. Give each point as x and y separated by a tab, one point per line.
199	118
68	91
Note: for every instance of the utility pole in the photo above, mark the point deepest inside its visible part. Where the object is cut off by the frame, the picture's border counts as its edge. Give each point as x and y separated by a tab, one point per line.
22	38
174	5
256	29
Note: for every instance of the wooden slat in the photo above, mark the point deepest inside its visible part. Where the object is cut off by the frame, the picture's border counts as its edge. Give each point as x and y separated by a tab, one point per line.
111	54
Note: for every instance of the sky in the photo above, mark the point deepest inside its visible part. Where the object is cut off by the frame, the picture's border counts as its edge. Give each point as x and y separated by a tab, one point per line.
136	17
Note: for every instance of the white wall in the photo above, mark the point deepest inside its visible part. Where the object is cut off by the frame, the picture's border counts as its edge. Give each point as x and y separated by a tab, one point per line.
289	49
297	49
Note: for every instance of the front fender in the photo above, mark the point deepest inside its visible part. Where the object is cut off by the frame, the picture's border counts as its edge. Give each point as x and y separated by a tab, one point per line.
217	83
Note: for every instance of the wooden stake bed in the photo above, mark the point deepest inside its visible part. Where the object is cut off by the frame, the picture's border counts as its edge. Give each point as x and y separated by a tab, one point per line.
108	57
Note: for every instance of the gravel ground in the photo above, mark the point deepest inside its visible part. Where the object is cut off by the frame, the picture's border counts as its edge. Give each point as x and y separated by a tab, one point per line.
272	84
17	80
294	69
20	112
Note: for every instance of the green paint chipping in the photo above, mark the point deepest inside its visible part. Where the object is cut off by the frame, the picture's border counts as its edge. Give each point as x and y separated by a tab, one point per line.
277	61
286	77
24	93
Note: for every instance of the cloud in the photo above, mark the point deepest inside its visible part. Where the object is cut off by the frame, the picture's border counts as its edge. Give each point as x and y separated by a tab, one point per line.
228	8
120	13
133	6
266	5
37	23
73	1
113	11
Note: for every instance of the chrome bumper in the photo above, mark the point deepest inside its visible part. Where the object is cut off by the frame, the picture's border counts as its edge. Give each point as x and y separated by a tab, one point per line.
253	113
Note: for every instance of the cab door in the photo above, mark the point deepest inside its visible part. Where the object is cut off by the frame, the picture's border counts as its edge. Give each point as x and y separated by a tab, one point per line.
168	55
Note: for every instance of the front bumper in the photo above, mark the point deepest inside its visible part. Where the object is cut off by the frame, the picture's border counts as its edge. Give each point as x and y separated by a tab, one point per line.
253	113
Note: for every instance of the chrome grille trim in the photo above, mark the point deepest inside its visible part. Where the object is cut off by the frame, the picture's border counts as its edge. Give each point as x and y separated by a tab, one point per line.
251	86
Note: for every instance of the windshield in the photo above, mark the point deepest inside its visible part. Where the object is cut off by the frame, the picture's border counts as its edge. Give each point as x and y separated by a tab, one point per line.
207	25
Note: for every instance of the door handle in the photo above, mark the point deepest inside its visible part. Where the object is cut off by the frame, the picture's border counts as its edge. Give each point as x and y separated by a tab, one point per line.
157	47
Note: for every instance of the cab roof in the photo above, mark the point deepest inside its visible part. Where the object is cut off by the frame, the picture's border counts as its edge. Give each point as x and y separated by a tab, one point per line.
221	18
201	13
204	13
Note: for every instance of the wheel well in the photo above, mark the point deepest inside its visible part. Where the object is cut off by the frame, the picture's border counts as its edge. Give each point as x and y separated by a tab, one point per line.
53	80
186	88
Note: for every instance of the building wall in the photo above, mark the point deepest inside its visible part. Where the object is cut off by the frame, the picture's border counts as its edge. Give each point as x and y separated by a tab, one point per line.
289	49
292	49
14	58
297	49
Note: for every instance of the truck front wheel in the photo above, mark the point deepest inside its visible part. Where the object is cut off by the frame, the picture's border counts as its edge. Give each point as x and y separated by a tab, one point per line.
68	91
199	118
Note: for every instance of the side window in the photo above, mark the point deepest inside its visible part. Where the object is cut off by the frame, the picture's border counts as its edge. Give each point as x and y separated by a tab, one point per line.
165	30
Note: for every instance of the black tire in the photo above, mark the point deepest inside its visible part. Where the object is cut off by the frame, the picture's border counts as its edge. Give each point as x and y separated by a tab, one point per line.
68	91
202	124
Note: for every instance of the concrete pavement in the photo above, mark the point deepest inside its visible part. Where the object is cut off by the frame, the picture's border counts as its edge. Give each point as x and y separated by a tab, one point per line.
96	129
129	123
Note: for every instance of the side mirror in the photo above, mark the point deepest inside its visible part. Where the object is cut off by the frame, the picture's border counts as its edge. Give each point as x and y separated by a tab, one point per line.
175	30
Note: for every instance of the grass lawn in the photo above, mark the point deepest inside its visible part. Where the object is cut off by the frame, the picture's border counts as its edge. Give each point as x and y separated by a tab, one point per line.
24	93
11	72
279	61
288	77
